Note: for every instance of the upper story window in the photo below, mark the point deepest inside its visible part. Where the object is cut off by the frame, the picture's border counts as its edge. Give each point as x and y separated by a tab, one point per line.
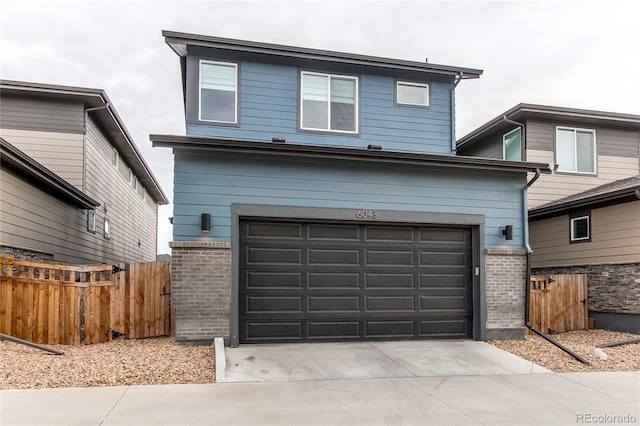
416	94
219	92
115	158
329	102
576	150
91	221
512	145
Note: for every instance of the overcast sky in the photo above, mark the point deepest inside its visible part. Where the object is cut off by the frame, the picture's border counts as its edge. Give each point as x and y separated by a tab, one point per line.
579	54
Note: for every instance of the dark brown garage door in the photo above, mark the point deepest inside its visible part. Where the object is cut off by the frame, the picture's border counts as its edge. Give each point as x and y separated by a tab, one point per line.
329	282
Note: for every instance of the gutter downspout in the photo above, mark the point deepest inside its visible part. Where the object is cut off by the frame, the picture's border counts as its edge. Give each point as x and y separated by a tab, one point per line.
453	110
527	296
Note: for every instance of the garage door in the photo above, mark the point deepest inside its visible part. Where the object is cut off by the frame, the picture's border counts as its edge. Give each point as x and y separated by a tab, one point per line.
302	281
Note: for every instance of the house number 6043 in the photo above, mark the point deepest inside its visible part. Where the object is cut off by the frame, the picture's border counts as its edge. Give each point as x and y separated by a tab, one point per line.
367	214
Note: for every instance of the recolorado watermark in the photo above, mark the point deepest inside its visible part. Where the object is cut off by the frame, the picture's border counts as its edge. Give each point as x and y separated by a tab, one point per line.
590	418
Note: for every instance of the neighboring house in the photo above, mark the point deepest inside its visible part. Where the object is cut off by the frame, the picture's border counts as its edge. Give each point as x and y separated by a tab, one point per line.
584	217
318	197
75	188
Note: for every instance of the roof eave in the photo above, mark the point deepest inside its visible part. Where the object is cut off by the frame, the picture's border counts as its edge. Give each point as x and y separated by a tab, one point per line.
352	154
620	196
179	42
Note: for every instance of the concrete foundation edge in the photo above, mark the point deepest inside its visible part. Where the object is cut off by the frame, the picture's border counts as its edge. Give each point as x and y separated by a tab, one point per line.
221	362
506	333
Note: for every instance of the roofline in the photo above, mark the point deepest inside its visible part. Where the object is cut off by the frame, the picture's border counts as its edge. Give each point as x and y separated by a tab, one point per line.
353	154
98	98
610	198
178	42
25	164
546	109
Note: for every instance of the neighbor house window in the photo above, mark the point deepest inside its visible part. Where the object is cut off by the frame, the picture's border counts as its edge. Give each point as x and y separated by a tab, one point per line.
107	228
114	158
512	145
580	228
329	102
91	221
416	94
219	92
576	150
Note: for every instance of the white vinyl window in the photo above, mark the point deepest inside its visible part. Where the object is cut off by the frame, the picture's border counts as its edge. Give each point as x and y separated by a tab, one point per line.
580	228
576	150
329	102
91	221
512	145
416	94
115	158
219	92
107	228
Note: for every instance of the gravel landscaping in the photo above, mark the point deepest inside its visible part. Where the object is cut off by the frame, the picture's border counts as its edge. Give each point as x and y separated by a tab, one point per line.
159	361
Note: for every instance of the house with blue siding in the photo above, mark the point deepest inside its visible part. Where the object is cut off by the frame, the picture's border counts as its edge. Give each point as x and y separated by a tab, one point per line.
318	197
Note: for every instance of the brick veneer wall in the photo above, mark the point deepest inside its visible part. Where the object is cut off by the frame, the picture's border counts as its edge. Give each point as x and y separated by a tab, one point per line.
200	290
612	288
506	272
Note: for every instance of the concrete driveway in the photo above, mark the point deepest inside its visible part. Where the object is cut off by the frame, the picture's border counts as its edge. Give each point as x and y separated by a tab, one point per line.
368	360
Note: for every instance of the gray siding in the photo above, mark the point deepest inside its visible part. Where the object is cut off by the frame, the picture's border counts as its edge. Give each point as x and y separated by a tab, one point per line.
41	115
133	219
34	220
491	147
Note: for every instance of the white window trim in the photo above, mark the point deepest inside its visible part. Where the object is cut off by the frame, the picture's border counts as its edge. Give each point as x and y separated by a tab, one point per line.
595	152
409	83
573	221
504	145
356	104
235	106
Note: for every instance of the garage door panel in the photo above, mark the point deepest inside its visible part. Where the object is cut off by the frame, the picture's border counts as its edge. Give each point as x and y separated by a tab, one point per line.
329	330
281	304
442	303
334	232
334	304
273	230
272	331
429	258
389	258
457	281
274	256
389	234
445	328
321	280
446	235
273	280
390	328
389	281
390	303
333	257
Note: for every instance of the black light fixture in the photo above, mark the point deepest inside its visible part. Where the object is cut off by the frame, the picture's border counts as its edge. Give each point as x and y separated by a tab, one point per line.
508	232
375	147
278	140
205	222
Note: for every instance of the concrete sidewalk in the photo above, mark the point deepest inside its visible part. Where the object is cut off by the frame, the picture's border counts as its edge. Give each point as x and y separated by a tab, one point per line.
531	399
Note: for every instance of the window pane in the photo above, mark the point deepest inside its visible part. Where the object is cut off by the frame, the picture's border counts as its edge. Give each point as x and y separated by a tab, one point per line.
565	149
343	100
512	151
413	95
218	92
584	145
315	102
580	229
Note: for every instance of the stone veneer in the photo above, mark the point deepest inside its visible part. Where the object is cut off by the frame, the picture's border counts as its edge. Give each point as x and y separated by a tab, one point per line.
25	253
200	290
506	273
612	288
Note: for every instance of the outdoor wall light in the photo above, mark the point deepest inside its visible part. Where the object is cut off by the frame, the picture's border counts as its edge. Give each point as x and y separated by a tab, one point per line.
205	222
508	232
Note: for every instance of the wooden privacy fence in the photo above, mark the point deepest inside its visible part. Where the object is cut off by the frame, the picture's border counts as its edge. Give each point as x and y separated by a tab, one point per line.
52	303
558	303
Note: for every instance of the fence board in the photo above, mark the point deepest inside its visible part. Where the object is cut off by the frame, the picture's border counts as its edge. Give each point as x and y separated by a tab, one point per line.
558	303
